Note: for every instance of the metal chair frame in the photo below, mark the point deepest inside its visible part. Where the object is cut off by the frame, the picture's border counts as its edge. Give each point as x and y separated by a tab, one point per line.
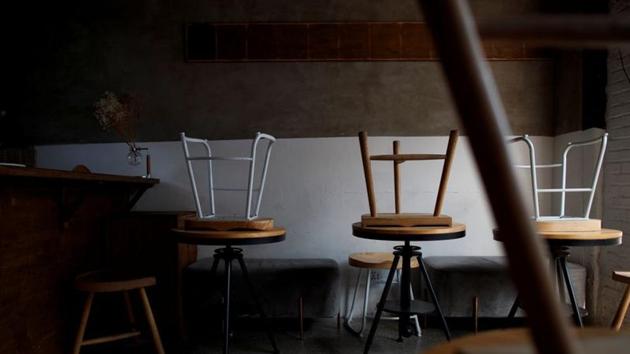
533	167
209	158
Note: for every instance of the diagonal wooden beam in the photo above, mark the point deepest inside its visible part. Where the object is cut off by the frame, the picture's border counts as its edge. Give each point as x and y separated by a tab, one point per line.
483	116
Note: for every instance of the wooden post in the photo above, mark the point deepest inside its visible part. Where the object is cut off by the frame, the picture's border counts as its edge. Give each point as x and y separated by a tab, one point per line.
480	110
397	177
446	171
367	171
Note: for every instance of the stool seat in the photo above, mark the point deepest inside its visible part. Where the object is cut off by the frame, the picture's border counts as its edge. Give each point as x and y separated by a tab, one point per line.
376	260
623	277
110	281
103	281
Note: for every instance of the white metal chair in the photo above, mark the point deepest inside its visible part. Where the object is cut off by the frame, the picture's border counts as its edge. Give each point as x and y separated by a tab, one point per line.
602	140
251	212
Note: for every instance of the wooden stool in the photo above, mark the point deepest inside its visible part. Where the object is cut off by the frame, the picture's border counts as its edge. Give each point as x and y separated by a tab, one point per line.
107	282
370	261
622	310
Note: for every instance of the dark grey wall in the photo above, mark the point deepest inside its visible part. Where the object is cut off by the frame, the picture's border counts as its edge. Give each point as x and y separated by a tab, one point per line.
69	54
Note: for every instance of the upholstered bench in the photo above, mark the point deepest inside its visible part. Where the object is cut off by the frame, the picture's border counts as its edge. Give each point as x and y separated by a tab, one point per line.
458	280
289	288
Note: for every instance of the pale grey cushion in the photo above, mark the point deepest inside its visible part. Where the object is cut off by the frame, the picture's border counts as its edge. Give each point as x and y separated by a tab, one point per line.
458	279
279	282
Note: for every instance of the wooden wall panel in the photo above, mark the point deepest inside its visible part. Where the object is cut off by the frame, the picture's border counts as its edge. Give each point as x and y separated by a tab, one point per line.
361	41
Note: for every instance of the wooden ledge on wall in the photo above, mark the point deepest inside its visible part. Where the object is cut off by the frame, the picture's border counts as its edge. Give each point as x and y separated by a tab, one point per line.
344	41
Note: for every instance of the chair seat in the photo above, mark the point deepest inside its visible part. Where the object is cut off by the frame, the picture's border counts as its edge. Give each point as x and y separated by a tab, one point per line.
376	260
103	281
623	277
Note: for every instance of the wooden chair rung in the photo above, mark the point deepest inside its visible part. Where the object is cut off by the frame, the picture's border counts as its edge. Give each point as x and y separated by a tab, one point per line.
112	338
407	157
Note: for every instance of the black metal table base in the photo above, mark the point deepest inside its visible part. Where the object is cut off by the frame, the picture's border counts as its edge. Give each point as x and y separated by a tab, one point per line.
560	270
228	254
406	307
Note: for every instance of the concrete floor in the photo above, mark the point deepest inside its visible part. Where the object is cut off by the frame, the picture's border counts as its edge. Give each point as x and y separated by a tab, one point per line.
321	336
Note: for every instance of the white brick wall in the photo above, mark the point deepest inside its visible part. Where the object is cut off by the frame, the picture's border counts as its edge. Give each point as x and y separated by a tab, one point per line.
616	177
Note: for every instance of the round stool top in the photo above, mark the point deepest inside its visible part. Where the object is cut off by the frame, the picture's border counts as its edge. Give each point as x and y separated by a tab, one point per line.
230	237
521	336
623	277
415	233
603	237
376	260
103	281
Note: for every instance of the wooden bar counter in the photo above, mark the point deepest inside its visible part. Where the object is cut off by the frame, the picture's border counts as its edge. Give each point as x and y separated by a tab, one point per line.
53	226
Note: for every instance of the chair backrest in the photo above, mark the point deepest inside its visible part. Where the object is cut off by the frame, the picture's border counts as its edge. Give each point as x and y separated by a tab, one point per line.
533	167
251	212
398	158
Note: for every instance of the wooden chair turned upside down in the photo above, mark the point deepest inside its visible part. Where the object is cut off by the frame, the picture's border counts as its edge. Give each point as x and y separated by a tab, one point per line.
398	218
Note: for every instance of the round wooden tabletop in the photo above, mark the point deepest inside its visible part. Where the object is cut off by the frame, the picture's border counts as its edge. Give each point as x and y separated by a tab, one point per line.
415	233
230	237
493	340
603	237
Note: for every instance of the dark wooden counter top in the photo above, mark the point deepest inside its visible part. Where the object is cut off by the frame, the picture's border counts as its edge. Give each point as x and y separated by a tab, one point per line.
30	172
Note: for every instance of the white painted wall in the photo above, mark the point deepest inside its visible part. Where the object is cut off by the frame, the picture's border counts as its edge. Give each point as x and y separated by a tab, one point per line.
316	189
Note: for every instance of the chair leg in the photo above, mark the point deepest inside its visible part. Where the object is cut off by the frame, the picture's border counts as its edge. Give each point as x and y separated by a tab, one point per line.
381	304
350	312
151	320
87	306
130	316
366	300
622	310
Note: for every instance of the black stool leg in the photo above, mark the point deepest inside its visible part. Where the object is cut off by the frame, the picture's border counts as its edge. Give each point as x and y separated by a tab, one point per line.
405	293
567	281
447	332
226	299
381	304
259	307
514	308
215	264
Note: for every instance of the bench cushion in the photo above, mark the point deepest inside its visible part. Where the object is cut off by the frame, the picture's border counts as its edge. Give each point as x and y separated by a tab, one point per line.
458	279
279	283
